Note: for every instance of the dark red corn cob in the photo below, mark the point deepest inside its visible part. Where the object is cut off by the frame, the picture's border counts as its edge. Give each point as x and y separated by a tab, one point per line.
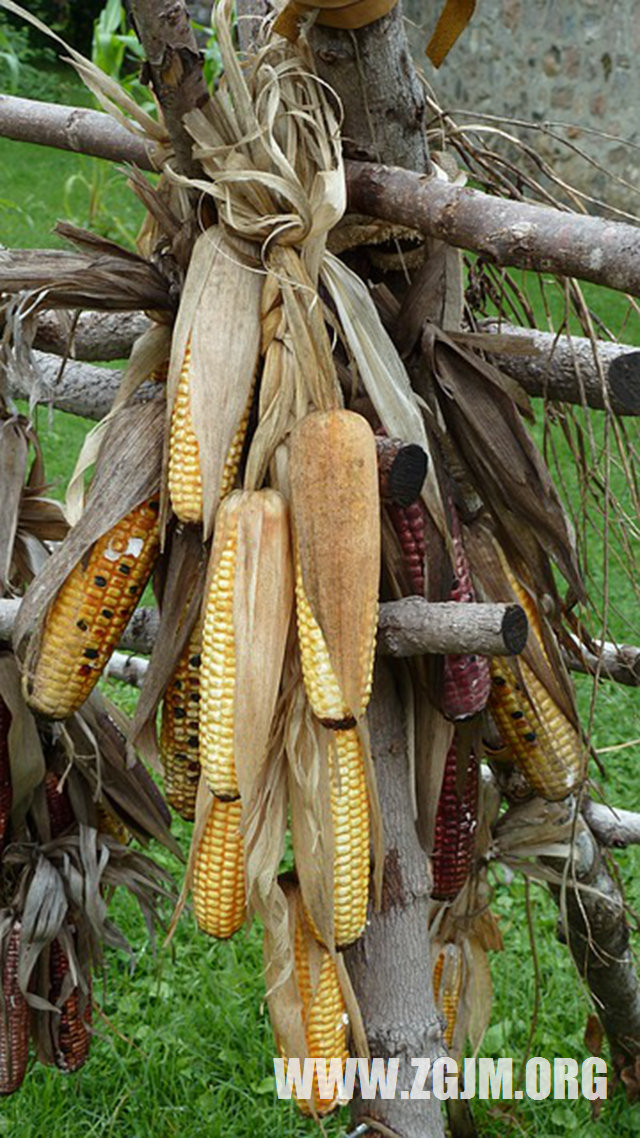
456	824
6	789
61	816
466	680
72	1039
409	523
14	1019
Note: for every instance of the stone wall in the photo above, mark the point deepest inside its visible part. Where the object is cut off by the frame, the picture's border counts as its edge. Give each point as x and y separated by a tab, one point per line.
575	61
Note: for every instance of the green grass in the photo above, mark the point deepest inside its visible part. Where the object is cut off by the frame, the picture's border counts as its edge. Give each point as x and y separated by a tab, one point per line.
188	1048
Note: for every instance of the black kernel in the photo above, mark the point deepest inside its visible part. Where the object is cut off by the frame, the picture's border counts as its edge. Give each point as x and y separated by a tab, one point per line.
177	685
91	653
517	714
154	505
499	681
100	582
82	625
195	697
124	569
530	736
192	741
134	590
194	661
107	614
180	713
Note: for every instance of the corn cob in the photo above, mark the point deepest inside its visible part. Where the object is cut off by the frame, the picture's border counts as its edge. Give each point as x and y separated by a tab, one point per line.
336	513
466	680
218	873
71	1036
14	1018
217	675
543	743
61	816
350	817
179	732
6	788
321	684
89	614
324	1013
447	987
185	479
456	824
409	523
112	826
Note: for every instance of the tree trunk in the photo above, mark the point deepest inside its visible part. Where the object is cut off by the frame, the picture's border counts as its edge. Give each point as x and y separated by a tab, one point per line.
390	965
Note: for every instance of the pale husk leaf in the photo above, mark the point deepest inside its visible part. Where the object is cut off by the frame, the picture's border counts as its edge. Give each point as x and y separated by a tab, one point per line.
219	315
14	449
25	749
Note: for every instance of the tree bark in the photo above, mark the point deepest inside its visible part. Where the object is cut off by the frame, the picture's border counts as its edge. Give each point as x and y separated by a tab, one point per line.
385	111
611	826
81	389
505	232
128	669
414	626
175	68
563	368
72	128
95	335
389	965
613	662
598	938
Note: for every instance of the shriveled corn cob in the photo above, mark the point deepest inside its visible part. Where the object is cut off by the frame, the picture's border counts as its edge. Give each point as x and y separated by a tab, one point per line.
71	1036
179	732
14	1018
61	816
112	826
323	1012
456	825
90	612
6	788
447	987
409	523
335	504
218	876
321	684
351	827
218	674
185	479
543	743
466	680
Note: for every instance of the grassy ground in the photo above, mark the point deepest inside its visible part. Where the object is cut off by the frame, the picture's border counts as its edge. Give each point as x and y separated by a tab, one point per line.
186	1046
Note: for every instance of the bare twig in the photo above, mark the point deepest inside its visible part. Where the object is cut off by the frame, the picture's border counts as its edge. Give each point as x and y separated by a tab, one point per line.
72	128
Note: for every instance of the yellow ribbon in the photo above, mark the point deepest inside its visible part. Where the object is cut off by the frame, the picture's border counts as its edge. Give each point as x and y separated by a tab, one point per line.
343	14
453	20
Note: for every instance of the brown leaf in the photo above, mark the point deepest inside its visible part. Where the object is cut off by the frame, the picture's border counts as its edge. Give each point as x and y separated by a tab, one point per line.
14	449
593	1035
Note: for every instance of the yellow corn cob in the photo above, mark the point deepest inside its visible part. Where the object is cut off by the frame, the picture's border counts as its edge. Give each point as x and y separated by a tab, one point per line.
350	816
185	480
543	743
89	614
321	684
179	732
217	677
447	987
218	872
324	1014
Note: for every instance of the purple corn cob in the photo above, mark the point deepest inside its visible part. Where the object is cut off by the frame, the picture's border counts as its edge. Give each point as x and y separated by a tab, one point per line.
466	681
72	1039
409	523
456	824
14	1020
